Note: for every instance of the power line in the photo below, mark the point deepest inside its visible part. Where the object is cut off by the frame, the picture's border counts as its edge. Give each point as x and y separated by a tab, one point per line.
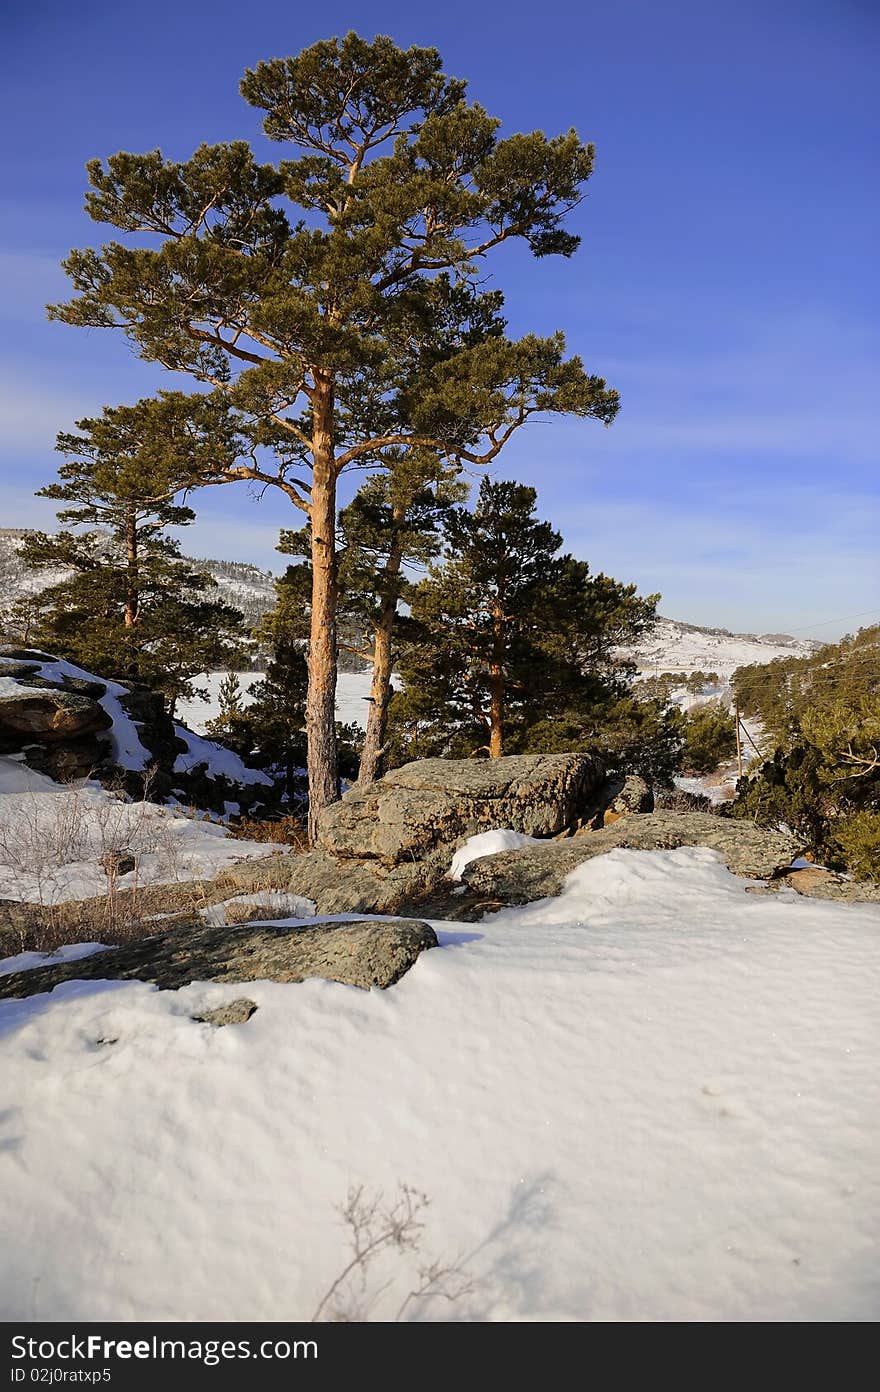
866	613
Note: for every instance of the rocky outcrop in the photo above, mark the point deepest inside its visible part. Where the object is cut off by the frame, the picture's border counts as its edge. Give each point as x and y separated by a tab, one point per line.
390	843
357	952
818	883
629	794
538	872
434	805
64	725
61	726
362	886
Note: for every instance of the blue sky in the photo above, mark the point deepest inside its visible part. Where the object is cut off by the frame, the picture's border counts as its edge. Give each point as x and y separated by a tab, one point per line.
726	283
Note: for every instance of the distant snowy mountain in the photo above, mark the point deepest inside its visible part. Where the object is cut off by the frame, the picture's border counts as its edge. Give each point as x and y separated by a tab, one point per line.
674	646
16	581
246	586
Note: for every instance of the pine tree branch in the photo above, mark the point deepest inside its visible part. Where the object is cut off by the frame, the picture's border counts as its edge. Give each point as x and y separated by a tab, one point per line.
203	336
380	442
256	475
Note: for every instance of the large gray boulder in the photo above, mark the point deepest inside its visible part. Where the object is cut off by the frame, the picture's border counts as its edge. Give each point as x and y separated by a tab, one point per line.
425	810
356	952
538	872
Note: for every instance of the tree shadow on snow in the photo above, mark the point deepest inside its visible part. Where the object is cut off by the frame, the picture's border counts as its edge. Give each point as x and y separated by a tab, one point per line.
508	1267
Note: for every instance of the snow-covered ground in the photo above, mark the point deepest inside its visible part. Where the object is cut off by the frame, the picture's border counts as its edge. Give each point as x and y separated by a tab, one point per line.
352	691
655	1097
53	836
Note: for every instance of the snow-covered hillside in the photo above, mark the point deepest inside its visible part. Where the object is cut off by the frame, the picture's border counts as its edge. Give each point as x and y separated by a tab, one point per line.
248	588
655	1097
16	580
673	646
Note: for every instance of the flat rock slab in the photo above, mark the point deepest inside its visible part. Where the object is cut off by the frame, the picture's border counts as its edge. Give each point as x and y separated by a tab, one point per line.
418	810
538	872
356	952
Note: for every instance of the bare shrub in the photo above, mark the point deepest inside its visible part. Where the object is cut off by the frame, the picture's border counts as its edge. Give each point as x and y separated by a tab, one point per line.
50	831
379	1231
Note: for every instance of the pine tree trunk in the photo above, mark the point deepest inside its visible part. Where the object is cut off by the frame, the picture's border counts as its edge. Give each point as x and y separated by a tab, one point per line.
496	689
380	692
132	589
321	698
131	570
380	686
496	711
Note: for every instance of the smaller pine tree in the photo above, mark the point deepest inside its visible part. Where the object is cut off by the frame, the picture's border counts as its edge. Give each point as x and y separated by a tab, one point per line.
393	526
513	647
709	737
129	606
229	695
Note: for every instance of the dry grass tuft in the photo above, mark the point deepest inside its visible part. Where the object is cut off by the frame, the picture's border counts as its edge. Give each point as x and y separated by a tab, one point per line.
286	831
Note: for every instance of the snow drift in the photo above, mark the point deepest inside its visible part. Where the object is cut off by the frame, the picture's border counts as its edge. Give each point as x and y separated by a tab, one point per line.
654	1097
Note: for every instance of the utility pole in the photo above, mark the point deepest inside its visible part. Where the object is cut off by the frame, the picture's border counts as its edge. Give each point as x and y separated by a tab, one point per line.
739	751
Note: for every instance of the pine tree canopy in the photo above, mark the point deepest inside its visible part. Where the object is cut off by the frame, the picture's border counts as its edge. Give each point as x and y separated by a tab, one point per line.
358	261
333	302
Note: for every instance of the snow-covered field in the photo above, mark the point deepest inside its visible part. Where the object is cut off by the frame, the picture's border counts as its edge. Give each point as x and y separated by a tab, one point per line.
352	691
655	1097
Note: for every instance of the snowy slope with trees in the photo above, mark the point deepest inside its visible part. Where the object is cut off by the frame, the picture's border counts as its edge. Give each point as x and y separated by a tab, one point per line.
644	1090
246	587
652	1098
673	646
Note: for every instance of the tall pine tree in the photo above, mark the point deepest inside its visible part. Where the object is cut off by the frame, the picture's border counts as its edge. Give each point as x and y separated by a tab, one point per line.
333	299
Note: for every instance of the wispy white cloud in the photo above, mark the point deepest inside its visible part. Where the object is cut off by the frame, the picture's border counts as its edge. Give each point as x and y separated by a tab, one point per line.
752	568
31	416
